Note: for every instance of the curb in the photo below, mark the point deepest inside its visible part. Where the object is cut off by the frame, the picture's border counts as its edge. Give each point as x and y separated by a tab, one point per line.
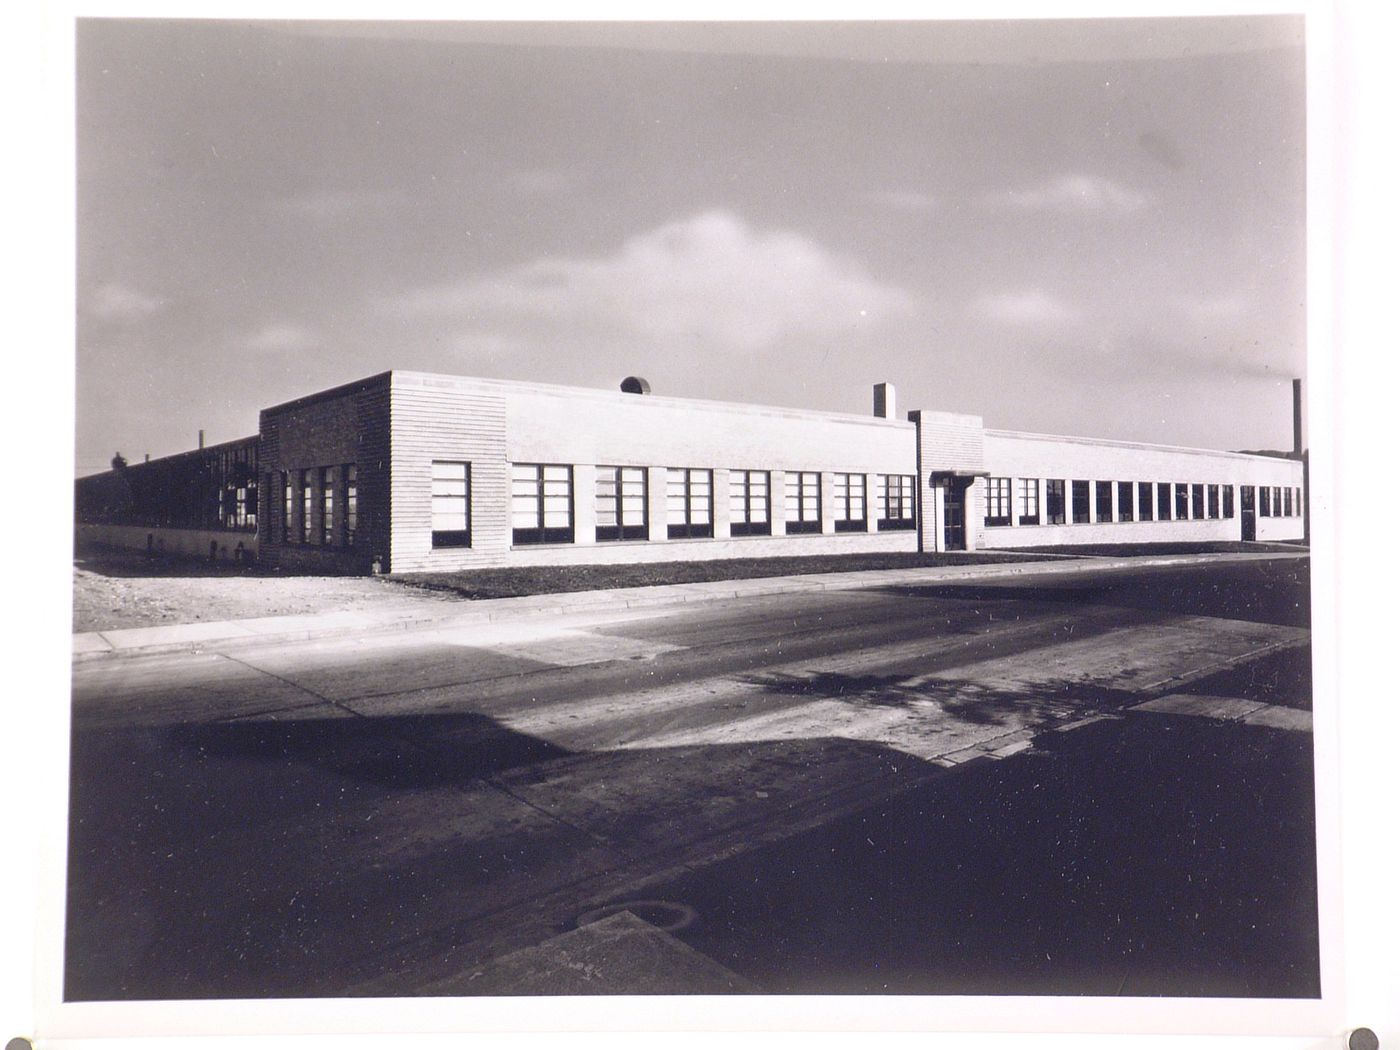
193	637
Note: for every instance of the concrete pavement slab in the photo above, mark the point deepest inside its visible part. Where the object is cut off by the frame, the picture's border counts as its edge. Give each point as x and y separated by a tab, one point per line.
617	955
87	647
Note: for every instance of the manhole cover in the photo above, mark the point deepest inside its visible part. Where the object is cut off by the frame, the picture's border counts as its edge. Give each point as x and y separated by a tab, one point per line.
669	916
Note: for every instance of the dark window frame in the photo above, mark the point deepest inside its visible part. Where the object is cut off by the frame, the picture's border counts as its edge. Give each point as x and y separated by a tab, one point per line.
843	485
1103	502
619	532
998	502
1028	501
448	538
1127	506
539	533
802	525
894	496
1081	513
690	528
1054	501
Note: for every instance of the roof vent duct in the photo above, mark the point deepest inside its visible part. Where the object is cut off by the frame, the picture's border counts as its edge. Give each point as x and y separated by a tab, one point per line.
635	385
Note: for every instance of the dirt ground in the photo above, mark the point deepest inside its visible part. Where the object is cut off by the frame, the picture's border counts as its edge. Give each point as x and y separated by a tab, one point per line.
113	589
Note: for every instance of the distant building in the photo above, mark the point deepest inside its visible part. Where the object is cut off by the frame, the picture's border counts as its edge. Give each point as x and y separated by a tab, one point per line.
407	471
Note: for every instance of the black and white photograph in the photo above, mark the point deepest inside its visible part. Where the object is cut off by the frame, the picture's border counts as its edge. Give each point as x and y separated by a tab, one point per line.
697	511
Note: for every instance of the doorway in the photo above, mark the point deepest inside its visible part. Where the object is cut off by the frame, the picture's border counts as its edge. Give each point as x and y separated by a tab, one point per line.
954	526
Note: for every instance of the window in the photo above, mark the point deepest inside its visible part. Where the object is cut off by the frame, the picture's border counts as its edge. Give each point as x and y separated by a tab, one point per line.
620	501
541	503
327	505
1145	500
1028	501
288	507
1125	501
1212	501
1164	501
352	502
452	502
749	509
1288	502
306	506
894	501
688	495
1079	507
1278	502
1055	501
998	501
1228	500
1183	502
1103	501
1298	500
850	502
1264	501
1198	501
802	499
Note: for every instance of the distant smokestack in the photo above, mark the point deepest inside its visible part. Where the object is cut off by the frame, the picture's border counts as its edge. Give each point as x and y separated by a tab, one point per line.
1298	417
884	401
201	439
148	457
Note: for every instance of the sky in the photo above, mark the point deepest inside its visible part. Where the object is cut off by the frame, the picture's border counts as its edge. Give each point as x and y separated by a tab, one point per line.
1075	227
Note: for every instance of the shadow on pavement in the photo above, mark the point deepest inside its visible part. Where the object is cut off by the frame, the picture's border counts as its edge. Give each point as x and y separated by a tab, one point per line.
1146	856
1256	592
1138	858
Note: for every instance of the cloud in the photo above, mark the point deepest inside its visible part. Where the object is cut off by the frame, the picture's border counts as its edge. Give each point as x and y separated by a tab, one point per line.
333	204
116	302
903	200
280	337
1074	193
709	280
1031	307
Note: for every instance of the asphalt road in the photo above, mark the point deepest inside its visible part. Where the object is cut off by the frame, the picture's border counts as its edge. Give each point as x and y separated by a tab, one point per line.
927	789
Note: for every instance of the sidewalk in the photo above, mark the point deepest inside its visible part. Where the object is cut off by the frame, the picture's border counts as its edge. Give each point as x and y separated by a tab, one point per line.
96	644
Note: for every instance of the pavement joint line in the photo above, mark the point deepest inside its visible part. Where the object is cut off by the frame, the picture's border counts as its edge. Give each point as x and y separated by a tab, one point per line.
244	632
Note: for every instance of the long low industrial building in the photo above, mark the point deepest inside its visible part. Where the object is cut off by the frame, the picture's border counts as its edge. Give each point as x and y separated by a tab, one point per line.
409	471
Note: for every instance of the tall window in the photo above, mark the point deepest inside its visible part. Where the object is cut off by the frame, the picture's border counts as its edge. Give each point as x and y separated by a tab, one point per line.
1054	501
1228	501
748	503
1288	502
689	495
850	502
803	499
288	507
1125	501
352	502
621	503
1298	500
452	503
1103	501
1028	501
1278	502
1183	502
327	505
1212	501
306	506
1144	500
1198	501
1080	505
998	501
1264	501
1164	501
894	501
541	503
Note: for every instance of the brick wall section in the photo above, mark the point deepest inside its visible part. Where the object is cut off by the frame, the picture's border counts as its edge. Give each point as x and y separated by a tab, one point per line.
346	425
948	442
443	418
1040	457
